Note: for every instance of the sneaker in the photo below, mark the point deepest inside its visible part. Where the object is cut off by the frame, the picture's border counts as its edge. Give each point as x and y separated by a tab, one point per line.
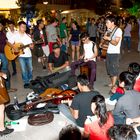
6	131
26	85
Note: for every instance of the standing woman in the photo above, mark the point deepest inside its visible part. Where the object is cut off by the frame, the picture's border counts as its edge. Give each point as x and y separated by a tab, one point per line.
96	126
75	40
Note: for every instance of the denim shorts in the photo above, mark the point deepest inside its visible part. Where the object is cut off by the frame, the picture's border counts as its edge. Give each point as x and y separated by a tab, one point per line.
75	43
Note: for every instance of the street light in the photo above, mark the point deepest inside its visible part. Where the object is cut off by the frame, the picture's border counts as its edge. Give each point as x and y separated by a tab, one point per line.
45	2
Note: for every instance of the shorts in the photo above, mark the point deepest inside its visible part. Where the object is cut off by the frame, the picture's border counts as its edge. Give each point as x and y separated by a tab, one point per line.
112	64
75	43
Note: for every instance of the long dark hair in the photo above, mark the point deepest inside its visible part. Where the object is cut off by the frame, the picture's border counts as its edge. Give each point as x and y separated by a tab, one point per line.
128	78
100	109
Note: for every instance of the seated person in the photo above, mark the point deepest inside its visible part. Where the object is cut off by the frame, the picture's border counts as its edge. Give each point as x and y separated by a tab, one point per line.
122	132
3	130
128	105
117	92
57	60
135	122
81	104
135	68
96	126
88	58
70	132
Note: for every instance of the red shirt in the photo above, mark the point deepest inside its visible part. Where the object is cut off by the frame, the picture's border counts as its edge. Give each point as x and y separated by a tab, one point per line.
96	132
137	85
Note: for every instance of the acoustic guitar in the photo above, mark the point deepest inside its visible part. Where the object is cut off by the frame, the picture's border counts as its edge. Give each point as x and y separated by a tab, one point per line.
10	52
104	46
25	109
105	43
55	98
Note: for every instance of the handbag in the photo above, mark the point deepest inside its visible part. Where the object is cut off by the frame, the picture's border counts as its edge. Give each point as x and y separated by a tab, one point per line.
4	97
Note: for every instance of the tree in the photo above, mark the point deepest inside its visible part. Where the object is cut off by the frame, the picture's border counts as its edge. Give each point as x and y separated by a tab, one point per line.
27	8
102	6
135	10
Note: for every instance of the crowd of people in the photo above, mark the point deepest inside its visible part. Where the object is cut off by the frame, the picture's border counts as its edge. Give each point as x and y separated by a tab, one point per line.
88	108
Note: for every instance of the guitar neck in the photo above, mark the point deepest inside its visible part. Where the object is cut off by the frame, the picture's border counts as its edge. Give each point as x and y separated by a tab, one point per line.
24	46
34	42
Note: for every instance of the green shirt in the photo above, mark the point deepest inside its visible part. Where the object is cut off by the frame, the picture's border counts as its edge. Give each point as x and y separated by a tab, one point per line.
62	28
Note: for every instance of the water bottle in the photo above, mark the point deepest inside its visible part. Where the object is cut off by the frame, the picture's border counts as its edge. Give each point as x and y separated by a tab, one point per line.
6	123
16	103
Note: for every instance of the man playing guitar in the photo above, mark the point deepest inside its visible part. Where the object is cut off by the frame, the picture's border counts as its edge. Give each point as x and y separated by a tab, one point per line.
113	51
88	58
25	59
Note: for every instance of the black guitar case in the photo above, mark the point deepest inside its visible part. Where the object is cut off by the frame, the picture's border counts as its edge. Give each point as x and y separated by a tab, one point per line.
55	80
15	114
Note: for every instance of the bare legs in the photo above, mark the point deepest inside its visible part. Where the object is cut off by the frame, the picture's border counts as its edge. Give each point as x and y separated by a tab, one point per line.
2	117
113	80
77	48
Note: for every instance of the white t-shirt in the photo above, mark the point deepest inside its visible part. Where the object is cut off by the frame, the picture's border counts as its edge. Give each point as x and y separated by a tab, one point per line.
88	49
9	34
23	39
115	49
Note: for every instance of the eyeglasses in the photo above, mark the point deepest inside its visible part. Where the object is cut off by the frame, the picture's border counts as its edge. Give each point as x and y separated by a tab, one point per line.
83	40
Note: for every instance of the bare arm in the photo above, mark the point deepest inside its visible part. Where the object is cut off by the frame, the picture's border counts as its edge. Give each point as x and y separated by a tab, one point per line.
50	67
75	113
113	41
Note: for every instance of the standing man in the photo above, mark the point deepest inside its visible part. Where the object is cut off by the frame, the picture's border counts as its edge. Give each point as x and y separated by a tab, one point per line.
64	34
92	30
9	34
52	33
25	59
113	51
41	48
4	61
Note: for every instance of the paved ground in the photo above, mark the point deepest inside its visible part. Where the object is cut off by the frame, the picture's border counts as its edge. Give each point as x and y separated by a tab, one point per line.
51	131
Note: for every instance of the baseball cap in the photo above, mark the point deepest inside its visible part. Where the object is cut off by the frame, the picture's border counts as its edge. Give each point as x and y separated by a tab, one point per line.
55	45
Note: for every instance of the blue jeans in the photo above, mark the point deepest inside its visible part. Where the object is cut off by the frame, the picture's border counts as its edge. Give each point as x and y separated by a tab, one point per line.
26	68
4	68
127	42
65	110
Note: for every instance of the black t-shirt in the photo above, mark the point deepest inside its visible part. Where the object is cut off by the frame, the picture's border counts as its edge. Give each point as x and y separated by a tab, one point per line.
82	103
57	62
75	35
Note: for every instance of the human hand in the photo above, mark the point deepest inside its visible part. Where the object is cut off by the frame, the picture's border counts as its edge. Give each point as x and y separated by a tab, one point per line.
3	75
129	121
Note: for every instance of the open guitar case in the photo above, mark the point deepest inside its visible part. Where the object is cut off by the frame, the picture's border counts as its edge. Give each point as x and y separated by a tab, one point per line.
55	80
15	114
